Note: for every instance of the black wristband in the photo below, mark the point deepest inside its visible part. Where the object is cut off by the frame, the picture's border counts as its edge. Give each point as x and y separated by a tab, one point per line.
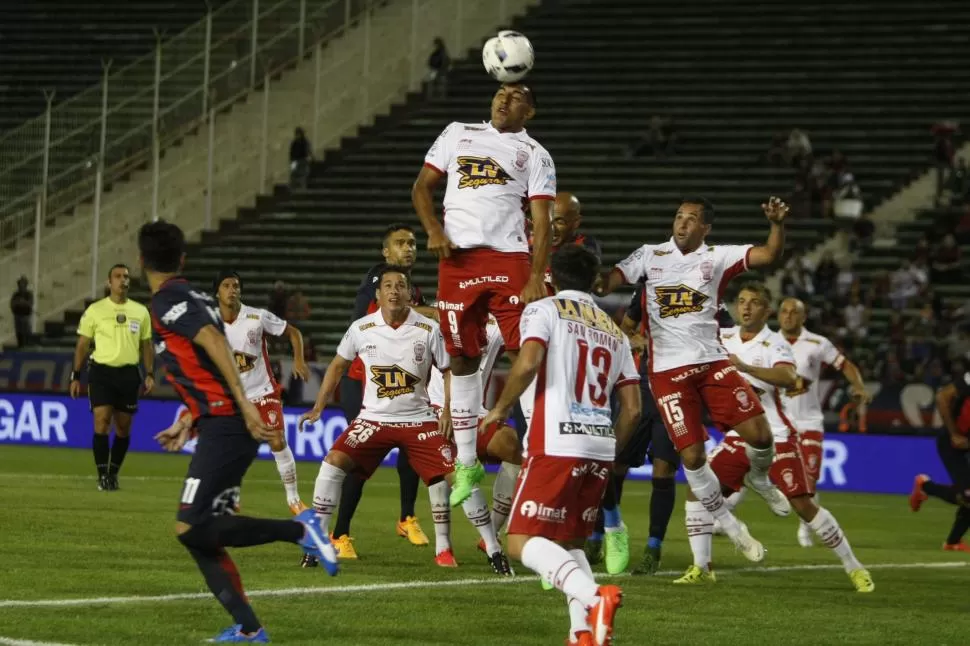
75	375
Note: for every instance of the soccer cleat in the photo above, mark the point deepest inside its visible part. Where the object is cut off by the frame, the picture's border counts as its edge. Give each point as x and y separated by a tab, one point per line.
546	585
917	497
446	559
752	549
411	530
862	580
956	547
583	638
594	550
315	541
297	507
696	576
500	564
617	550
776	499
309	560
465	480
234	634
650	562
112	482
600	617
805	535
344	545
103	483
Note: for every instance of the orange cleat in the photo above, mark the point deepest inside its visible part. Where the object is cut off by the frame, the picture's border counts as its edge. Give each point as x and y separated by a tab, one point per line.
411	530
583	638
600	617
956	547
481	546
446	559
917	497
298	507
344	546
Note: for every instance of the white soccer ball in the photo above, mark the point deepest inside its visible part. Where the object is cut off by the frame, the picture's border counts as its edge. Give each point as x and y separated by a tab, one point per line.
508	57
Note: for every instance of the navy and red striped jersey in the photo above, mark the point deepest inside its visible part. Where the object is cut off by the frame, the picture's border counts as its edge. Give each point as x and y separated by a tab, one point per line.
366	303
179	312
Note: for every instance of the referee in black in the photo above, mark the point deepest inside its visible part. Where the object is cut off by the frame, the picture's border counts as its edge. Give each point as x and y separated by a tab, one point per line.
953	446
121	332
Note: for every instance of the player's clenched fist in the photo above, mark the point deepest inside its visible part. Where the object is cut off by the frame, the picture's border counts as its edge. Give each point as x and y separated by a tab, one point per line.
775	210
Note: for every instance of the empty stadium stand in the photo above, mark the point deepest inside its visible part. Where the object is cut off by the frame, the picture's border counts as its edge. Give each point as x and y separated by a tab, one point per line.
867	78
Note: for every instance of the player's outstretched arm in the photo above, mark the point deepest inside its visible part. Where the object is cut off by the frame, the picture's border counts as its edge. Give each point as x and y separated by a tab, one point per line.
856	385
422	197
609	282
782	375
522	374
771	252
338	366
631	408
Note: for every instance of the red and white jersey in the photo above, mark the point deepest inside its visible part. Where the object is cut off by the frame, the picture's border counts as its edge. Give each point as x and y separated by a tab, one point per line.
683	292
491	176
494	344
587	356
766	349
397	365
803	405
247	338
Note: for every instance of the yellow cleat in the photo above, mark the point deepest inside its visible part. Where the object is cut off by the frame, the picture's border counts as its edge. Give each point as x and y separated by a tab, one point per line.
298	507
862	580
344	545
696	576
411	530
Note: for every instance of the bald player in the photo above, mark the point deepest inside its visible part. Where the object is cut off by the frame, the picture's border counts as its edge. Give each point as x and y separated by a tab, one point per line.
802	402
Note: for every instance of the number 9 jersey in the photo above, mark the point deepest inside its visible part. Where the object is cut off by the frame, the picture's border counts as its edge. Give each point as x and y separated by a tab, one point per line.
587	356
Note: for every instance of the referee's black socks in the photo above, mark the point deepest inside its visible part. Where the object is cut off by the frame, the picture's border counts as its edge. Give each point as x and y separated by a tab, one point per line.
119	449
101	450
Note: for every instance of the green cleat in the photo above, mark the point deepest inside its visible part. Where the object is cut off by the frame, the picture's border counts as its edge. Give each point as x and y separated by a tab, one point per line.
465	480
696	576
650	562
594	551
617	550
546	585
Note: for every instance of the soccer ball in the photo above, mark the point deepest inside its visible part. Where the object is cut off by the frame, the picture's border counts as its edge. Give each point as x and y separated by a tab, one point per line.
508	57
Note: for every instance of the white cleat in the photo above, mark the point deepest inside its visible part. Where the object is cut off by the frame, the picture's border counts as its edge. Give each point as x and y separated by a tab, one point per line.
805	535
718	529
776	499
752	549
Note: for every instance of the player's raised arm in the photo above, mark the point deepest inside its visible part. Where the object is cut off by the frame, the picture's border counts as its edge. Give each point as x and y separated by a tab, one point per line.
772	250
629	270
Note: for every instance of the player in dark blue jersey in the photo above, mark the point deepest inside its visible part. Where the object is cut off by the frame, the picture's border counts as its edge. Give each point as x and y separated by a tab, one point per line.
187	332
399	248
567	216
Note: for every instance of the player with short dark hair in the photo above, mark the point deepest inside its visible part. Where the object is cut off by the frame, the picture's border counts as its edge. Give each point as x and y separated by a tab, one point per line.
578	356
399	248
188	335
484	264
121	332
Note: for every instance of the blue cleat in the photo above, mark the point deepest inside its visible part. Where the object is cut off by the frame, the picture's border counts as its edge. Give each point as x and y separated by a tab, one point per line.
316	543
233	634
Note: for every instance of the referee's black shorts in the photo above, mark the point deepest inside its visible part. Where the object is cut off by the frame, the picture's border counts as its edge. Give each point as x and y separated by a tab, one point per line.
223	453
650	438
114	386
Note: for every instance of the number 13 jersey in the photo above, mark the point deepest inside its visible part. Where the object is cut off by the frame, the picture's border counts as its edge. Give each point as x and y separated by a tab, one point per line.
587	356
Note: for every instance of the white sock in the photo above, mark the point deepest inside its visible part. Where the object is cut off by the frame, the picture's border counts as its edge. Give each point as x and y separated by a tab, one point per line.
476	510
827	529
707	489
804	527
326	492
286	465
503	489
577	612
557	566
441	514
700	528
760	460
466	403
735	499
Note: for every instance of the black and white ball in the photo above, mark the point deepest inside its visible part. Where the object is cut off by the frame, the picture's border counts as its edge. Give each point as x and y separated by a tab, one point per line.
508	56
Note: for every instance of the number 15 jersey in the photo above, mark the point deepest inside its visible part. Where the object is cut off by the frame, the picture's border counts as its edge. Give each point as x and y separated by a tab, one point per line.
587	356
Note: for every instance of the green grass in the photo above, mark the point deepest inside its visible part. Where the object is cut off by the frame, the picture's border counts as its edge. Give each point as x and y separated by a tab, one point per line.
62	539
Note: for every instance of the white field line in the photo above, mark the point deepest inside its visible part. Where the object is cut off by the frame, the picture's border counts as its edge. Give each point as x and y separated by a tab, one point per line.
417	585
6	641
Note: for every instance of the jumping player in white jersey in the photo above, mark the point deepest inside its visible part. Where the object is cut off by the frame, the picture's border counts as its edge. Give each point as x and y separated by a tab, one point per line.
246	329
577	355
802	401
766	360
398	347
687	365
492	169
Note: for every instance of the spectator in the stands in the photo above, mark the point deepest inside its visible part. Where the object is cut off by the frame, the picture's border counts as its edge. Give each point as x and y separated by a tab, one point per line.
797	147
944	152
847	197
825	274
22	308
437	76
905	284
896	329
800	199
844	280
946	264
863	233
856	317
297	307
923	249
958	343
659	139
798	280
278	297
301	154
